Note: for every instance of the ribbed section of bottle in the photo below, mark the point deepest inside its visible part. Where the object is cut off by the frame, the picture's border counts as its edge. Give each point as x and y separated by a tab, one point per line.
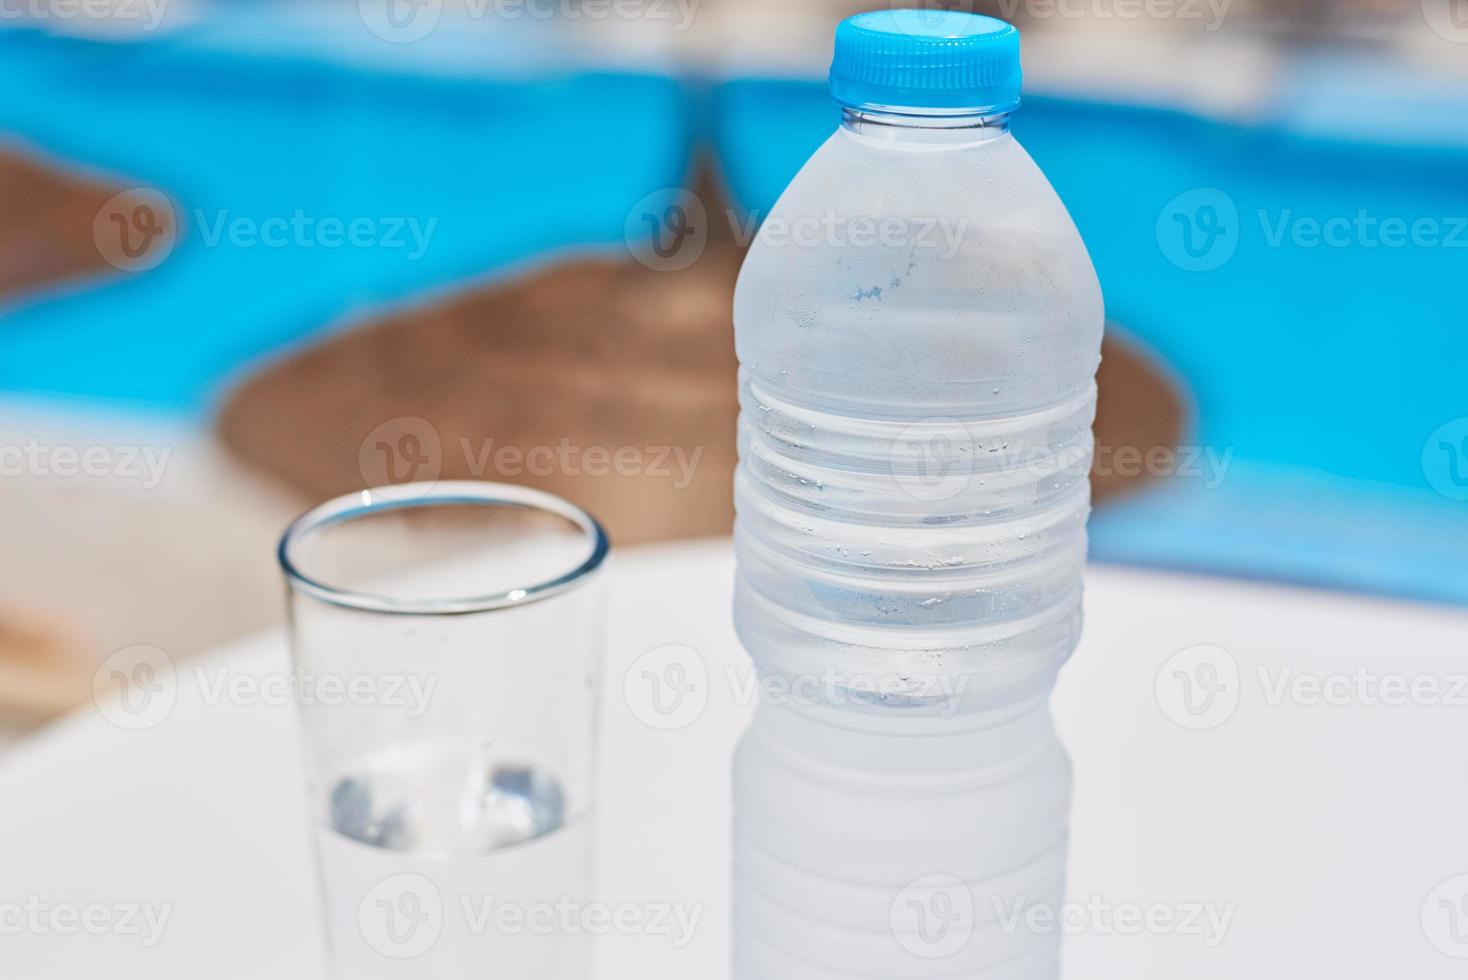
861	855
929	563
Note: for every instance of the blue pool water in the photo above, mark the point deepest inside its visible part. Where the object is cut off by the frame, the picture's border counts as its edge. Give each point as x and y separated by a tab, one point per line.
1320	371
500	167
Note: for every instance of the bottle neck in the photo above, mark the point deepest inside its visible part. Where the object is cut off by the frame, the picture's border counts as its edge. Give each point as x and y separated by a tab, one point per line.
899	127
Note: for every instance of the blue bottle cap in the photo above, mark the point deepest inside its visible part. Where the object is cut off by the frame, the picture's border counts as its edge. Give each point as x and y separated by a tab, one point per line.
928	60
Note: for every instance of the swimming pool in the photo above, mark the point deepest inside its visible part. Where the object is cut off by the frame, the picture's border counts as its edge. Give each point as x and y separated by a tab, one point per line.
1326	370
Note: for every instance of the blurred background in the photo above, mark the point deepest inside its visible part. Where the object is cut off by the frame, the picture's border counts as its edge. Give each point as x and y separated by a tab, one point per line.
254	253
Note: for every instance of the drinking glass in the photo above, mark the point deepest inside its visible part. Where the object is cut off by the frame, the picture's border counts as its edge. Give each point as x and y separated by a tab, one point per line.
446	641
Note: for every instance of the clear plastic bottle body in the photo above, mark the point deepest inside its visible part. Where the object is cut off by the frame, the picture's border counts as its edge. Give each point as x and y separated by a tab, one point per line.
918	326
865	852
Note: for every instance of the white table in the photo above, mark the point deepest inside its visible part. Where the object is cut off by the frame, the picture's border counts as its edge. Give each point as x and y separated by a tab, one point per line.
1329	829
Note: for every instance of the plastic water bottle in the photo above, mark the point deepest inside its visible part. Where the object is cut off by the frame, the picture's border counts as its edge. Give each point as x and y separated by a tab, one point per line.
918	327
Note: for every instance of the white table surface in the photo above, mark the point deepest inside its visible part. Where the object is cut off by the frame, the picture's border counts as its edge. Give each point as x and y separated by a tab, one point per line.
1334	831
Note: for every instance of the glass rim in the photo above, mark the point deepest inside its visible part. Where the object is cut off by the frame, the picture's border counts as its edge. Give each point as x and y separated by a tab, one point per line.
448	493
